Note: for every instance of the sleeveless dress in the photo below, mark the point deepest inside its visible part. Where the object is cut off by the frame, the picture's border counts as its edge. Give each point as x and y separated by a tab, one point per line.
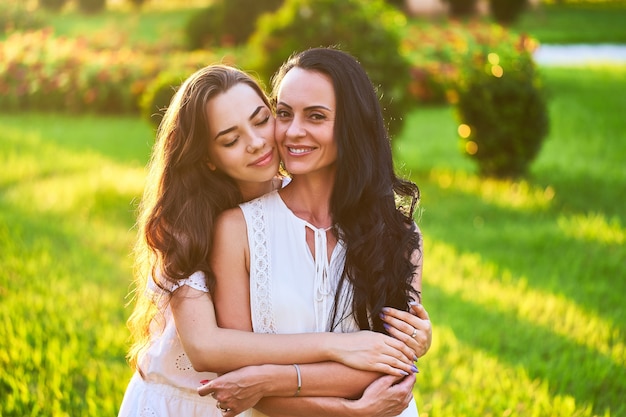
168	388
290	290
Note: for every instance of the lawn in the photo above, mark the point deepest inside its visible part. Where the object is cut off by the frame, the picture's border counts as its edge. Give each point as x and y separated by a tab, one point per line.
523	280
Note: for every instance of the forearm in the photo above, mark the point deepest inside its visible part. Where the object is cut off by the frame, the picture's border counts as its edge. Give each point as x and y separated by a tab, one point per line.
227	349
308	407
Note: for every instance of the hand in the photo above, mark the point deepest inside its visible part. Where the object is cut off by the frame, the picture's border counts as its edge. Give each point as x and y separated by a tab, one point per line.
413	328
377	352
387	396
235	391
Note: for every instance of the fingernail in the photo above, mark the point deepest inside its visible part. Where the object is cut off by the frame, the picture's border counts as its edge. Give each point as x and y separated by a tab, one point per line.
414	369
386	326
405	373
414	303
414	358
204	381
382	316
385	309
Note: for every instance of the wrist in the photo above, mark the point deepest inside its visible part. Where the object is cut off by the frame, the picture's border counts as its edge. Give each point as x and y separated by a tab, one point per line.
278	380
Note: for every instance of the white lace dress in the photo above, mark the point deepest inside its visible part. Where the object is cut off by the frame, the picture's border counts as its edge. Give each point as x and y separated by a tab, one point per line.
290	291
168	388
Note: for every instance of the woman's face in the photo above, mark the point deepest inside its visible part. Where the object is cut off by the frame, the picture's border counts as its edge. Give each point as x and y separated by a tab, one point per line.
241	136
305	121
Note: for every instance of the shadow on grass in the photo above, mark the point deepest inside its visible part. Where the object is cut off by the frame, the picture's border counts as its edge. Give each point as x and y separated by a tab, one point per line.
545	355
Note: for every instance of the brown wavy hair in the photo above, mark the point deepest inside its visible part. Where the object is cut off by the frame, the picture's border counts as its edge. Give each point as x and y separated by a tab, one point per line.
182	198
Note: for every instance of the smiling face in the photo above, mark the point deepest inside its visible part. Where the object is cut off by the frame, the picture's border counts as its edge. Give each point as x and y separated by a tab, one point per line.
241	136
305	121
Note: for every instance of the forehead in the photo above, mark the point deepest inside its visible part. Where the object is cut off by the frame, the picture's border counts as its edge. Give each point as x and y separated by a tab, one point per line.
233	106
301	86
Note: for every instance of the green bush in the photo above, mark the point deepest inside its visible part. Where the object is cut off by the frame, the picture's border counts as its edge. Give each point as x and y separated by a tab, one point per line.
502	104
366	29
41	72
16	16
158	94
507	11
461	8
52	5
91	6
226	22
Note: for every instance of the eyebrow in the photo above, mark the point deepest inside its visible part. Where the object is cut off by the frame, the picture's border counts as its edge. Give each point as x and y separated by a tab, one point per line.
315	106
230	129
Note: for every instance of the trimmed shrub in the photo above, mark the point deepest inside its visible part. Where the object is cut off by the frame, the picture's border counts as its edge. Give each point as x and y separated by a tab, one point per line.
158	95
15	16
40	72
52	5
507	12
226	22
503	110
366	29
91	6
461	8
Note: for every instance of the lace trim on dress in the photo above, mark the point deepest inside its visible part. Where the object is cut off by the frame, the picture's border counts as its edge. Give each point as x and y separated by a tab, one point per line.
260	274
196	281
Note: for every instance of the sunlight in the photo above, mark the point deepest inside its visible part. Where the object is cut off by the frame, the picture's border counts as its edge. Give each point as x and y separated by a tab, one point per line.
594	227
502	385
503	193
495	288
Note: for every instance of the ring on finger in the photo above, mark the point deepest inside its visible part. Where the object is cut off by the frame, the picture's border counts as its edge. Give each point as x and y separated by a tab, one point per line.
414	333
223	410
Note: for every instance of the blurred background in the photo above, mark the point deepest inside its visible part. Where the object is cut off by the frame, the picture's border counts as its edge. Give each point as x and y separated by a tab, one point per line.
509	115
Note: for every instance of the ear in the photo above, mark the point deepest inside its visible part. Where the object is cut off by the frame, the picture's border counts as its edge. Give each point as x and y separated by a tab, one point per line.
211	166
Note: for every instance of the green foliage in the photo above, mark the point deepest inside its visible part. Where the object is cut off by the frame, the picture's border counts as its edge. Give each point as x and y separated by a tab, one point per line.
15	16
226	22
366	29
501	100
52	5
158	94
91	6
507	11
41	72
461	8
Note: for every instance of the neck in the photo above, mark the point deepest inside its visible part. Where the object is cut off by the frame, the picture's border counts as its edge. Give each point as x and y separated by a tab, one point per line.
309	199
252	190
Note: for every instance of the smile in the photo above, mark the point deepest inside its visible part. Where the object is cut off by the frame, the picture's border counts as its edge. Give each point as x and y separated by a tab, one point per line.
264	160
299	151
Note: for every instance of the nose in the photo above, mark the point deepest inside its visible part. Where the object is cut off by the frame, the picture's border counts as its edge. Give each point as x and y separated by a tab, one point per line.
295	129
256	142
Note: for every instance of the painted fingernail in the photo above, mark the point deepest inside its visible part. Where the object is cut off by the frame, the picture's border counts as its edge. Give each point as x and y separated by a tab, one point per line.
414	369
414	358
204	381
405	373
382	316
386	326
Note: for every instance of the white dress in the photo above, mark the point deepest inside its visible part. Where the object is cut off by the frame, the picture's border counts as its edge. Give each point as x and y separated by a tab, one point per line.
290	291
168	388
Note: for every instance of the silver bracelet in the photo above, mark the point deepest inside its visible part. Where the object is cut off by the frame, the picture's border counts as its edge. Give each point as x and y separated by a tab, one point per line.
299	380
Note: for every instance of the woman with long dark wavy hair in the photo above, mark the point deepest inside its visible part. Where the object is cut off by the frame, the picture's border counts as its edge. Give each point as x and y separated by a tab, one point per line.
337	247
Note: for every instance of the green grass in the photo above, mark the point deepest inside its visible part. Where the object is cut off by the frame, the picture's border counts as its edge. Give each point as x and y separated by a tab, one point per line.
523	280
582	23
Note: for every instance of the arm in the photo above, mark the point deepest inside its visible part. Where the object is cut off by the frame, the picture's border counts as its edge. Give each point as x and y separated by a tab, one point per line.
222	350
385	397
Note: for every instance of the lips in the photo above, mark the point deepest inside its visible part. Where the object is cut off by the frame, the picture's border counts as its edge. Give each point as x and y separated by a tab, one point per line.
263	160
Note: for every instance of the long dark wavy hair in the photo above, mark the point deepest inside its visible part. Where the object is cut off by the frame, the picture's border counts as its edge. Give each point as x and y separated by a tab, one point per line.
380	236
182	197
